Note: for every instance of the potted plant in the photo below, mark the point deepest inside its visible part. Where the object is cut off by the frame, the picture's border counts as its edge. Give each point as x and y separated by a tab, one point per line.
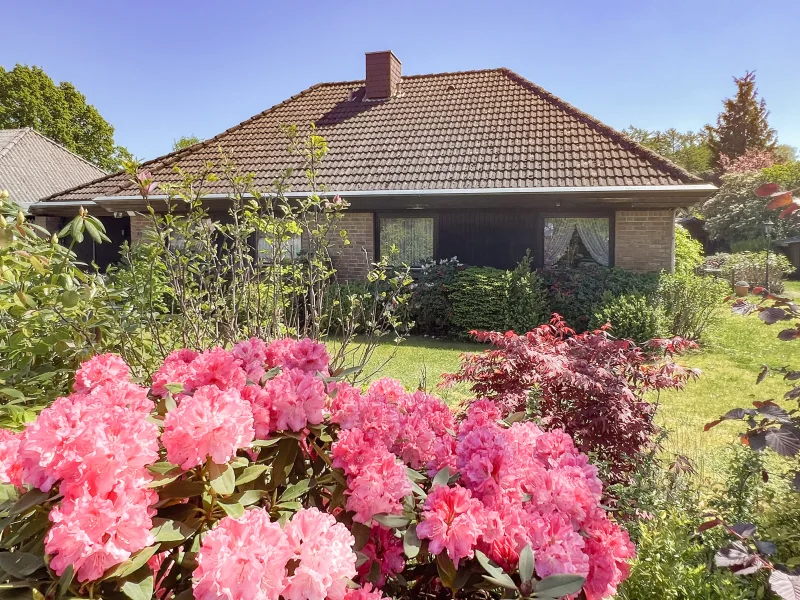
741	288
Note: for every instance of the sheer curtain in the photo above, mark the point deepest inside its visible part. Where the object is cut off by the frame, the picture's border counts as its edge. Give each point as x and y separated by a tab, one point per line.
557	236
594	235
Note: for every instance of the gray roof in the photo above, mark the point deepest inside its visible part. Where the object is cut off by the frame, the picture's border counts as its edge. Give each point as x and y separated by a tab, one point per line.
33	166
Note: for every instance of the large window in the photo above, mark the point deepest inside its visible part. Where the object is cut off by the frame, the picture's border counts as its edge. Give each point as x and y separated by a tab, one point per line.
407	240
291	248
570	242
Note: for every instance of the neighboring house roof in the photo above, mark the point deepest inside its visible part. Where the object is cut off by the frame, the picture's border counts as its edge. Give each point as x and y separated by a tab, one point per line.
33	166
449	131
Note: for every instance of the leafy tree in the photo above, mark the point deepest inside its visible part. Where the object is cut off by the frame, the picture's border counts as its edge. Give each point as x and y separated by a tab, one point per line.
736	213
30	98
689	149
743	125
785	153
185	142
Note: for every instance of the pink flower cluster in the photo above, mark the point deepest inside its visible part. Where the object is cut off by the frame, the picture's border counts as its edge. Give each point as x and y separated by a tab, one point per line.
95	445
253	558
518	486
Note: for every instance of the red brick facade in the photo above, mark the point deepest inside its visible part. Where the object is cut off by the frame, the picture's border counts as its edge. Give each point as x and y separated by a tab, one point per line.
352	261
139	223
383	75
644	240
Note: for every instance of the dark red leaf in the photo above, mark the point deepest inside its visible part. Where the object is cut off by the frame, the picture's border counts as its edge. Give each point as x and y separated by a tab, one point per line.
787	335
792	375
784	441
737	554
734	413
757	441
762	374
785	585
765	190
779	201
773	411
767	548
743	307
712	424
758	290
772	315
745	530
789	210
792	393
796	481
708	525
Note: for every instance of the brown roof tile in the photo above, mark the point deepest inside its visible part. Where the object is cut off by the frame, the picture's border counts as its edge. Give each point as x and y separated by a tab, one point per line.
467	130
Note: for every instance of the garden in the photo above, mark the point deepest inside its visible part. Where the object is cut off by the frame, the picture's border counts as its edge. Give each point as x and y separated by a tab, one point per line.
218	418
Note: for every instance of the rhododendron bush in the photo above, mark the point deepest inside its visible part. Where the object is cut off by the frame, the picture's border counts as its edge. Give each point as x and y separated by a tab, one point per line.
588	384
254	473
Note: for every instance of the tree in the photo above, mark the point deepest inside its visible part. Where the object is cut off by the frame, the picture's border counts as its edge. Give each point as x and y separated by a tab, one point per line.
689	149
30	98
743	125
185	142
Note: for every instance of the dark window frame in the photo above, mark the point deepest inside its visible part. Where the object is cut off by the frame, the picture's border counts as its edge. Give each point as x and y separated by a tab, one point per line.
406	214
576	214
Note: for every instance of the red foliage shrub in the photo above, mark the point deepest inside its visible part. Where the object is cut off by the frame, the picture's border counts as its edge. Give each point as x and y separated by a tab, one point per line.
589	384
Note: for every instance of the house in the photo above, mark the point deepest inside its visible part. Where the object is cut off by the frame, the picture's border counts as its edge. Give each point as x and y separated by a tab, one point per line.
482	165
33	166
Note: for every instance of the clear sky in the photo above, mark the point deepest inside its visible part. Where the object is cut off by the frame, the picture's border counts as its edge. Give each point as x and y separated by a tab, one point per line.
161	70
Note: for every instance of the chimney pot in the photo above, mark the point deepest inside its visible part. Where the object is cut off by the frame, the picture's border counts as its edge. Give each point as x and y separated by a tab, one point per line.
383	75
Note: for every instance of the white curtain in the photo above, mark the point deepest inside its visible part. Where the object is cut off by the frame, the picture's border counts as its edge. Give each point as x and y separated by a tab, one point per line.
594	235
557	235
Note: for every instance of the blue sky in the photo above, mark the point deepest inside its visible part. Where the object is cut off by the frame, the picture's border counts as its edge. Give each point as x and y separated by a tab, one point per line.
160	70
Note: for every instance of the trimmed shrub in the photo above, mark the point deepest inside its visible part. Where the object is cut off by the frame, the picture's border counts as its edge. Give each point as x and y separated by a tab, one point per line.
632	316
576	294
430	303
478	298
526	299
690	302
688	251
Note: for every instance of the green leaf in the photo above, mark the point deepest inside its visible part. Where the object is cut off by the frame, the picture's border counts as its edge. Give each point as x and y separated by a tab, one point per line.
526	564
447	570
170	533
503	581
65	581
20	564
251	473
415	475
290	505
139	589
92	231
265	443
232	508
418	490
361	533
442	477
70	298
391	521
181	489
250	497
12	393
175	387
28	501
557	586
223	478
515	417
411	543
133	564
295	490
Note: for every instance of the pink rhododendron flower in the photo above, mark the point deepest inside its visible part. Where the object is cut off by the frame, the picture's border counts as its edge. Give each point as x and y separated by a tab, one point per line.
452	520
100	369
365	592
481	413
211	423
279	353
296	398
10	467
557	547
425	421
93	533
345	401
483	458
378	488
177	368
387	389
324	549
261	405
252	354
243	559
384	548
90	439
216	367
306	355
610	551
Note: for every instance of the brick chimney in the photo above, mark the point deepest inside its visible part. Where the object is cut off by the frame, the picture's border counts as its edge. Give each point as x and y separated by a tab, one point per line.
383	75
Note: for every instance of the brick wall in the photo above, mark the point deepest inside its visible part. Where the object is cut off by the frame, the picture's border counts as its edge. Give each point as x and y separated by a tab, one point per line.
352	261
52	224
139	223
645	240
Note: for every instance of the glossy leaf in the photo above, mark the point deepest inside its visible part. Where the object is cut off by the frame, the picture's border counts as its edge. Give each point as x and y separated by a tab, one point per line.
735	554
295	490
222	478
391	521
251	473
785	585
526	564
411	543
766	190
784	440
20	564
441	478
781	200
557	586
140	588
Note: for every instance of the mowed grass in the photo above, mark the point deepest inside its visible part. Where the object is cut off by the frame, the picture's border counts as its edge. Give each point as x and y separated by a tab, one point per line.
731	356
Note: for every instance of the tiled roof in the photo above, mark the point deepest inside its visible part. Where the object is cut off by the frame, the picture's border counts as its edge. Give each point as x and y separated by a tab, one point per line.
466	130
33	166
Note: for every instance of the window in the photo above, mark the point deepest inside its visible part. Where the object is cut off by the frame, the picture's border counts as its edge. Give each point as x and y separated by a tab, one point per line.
291	248
571	241
411	236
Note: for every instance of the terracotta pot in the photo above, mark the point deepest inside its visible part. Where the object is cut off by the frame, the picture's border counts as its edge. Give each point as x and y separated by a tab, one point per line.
741	290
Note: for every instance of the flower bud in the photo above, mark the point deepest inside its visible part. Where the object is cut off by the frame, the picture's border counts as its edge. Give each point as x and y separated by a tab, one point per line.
54	239
3	222
20	217
3	194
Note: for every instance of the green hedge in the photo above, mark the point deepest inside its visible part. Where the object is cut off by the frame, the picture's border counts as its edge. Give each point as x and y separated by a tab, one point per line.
632	317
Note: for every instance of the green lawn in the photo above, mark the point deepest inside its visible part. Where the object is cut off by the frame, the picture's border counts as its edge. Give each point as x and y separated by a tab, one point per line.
732	355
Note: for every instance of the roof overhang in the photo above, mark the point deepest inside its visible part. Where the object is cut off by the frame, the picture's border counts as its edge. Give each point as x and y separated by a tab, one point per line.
621	197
